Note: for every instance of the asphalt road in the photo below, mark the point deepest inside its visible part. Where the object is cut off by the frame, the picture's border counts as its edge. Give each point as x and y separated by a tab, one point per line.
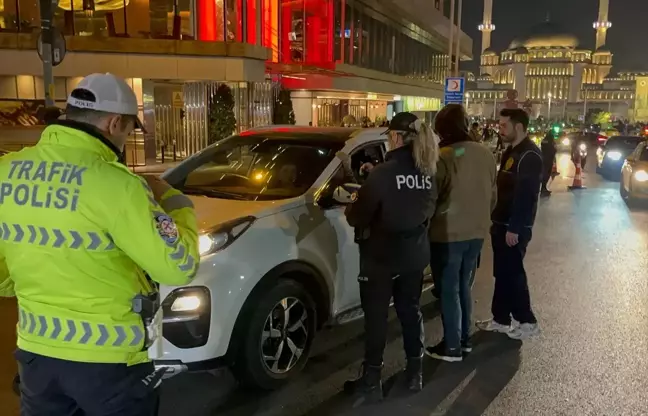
587	268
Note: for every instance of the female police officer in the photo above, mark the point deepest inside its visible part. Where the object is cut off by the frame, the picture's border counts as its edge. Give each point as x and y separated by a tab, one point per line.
390	217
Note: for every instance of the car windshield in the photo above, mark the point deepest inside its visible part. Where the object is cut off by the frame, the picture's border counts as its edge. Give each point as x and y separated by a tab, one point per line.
255	168
623	142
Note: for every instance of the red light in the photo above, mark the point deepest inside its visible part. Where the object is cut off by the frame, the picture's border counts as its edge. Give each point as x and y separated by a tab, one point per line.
602	138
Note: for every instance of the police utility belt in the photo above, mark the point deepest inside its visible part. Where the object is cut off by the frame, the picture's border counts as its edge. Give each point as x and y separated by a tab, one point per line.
148	308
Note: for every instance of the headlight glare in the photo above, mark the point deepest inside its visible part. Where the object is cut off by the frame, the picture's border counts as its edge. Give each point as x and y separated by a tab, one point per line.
186	304
614	155
210	242
566	142
641	176
582	147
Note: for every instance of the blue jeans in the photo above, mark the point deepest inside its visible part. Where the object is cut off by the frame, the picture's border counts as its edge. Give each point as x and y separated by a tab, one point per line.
452	267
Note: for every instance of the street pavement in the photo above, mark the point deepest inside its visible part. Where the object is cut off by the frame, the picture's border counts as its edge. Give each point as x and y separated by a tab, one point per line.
587	268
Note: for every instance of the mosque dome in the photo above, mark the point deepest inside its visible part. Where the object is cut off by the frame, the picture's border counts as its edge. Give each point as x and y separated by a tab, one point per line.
603	49
521	50
489	51
546	35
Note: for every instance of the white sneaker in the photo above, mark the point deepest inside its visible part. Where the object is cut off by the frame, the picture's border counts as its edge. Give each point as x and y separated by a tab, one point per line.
493	326
524	331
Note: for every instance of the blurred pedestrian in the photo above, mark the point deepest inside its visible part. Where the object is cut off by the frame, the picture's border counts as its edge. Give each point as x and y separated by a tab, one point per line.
518	186
390	216
87	313
548	147
467	192
474	133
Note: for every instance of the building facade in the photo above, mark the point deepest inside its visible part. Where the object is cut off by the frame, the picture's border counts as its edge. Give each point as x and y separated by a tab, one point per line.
342	59
548	72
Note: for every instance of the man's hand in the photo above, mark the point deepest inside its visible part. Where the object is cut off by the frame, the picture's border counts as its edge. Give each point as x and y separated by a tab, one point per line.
367	167
511	239
158	186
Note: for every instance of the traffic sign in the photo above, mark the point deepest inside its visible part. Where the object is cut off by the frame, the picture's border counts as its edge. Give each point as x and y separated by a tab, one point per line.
178	99
454	90
59	48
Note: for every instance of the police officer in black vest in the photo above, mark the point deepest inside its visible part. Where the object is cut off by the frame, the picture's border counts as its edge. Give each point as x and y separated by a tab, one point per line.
518	188
390	216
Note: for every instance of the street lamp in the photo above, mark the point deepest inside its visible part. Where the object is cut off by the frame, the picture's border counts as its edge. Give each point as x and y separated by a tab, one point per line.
467	95
549	95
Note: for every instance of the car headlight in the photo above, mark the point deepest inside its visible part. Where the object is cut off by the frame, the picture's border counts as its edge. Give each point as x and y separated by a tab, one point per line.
641	176
185	303
223	235
566	142
583	147
614	155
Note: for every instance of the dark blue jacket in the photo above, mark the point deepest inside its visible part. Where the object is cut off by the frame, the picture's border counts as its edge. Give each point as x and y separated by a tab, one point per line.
518	187
392	212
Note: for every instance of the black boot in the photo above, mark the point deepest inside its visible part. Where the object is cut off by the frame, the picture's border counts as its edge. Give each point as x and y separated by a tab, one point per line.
368	386
414	374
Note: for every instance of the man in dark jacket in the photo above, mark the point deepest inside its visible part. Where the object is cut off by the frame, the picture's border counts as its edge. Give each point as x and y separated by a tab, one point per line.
518	185
548	147
390	216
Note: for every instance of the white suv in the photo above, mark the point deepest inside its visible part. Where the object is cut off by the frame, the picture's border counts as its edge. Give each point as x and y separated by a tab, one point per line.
278	257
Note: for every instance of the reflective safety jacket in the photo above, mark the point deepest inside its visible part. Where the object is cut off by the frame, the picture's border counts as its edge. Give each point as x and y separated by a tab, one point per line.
77	232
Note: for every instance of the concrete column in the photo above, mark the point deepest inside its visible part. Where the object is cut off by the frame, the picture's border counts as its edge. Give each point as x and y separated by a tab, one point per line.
148	108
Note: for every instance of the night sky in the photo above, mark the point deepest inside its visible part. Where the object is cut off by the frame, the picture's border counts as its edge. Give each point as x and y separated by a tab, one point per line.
628	37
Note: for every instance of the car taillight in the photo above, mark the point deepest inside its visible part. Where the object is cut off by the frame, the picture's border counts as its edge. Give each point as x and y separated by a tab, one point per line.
601	138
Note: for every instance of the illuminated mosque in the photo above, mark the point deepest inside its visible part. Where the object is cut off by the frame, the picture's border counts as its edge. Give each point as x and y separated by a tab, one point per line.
548	73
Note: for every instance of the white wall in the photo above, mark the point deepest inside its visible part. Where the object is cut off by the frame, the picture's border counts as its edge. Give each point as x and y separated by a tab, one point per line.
302	107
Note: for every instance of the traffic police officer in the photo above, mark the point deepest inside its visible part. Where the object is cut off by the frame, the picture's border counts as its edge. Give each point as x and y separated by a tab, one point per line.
78	233
518	188
390	216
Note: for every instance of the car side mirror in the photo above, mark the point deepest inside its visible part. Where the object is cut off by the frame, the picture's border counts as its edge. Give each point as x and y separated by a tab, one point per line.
346	194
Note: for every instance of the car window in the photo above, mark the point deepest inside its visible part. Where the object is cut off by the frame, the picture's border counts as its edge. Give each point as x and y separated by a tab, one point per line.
642	153
254	168
373	153
623	142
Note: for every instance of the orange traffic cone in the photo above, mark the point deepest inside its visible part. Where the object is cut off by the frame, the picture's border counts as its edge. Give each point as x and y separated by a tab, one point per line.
578	177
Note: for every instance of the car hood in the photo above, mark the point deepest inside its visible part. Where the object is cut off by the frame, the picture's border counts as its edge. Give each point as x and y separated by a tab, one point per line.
214	211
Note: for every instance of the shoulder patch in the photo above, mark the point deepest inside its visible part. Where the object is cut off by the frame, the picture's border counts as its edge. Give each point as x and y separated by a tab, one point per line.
167	228
509	164
460	151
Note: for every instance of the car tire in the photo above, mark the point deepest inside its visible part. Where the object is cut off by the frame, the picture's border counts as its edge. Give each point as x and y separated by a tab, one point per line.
625	195
266	333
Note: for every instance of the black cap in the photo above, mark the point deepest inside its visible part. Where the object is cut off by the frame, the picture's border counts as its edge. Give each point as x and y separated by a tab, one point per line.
402	122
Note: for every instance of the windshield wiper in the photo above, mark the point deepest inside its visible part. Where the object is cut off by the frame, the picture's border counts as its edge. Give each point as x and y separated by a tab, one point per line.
212	193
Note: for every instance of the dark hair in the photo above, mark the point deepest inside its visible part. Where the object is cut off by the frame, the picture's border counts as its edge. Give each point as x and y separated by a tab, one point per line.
451	123
89	116
475	124
517	116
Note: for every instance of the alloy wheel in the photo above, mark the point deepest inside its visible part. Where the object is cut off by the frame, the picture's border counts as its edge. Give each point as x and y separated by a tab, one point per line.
285	335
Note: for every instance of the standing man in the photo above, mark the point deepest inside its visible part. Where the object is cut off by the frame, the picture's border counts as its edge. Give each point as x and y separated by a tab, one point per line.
465	180
474	132
549	151
390	216
79	232
518	185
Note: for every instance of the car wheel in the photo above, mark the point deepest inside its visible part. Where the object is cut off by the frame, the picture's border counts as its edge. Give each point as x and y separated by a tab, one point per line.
278	336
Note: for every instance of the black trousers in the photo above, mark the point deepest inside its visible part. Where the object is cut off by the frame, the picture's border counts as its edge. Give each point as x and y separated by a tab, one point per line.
511	296
49	386
376	290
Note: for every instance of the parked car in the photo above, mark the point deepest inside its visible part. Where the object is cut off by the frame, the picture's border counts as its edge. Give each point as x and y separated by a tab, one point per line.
591	139
278	258
611	156
634	174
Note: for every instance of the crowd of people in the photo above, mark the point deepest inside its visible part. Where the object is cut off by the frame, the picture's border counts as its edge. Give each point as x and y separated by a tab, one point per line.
432	202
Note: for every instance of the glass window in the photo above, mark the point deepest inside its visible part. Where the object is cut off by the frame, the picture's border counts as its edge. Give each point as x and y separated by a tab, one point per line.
348	38
254	168
338	30
357	36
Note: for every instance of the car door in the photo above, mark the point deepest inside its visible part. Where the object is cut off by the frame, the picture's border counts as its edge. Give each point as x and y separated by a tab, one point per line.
346	290
628	165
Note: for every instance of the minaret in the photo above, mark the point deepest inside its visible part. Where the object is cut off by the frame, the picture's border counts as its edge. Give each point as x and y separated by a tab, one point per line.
603	24
487	26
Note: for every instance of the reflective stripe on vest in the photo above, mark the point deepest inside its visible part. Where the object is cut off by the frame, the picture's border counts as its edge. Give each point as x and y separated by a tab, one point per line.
55	237
79	332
